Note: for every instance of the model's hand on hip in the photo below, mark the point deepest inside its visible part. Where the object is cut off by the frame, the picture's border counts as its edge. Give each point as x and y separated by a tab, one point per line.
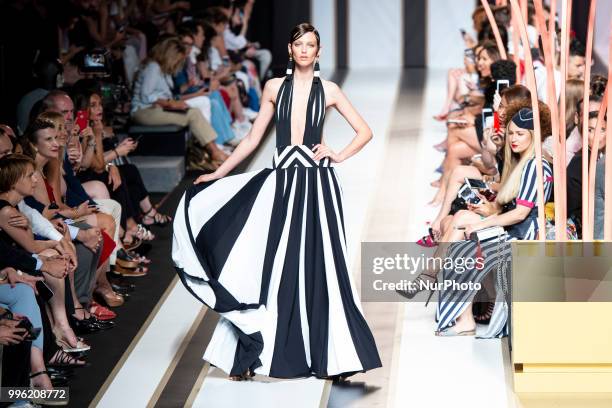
207	177
321	151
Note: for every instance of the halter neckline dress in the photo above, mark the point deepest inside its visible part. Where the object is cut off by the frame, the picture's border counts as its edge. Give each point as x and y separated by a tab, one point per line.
267	250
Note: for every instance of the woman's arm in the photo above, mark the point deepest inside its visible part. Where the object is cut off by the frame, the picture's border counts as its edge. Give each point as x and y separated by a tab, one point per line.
22	236
363	132
250	142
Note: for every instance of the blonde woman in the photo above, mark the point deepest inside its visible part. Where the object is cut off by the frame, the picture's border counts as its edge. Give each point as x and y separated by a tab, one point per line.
153	103
515	209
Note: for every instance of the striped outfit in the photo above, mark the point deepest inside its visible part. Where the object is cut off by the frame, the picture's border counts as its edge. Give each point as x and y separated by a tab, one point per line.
497	255
267	251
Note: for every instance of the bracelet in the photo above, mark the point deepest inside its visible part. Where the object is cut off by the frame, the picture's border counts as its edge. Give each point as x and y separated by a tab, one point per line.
108	165
75	213
116	154
91	144
2	279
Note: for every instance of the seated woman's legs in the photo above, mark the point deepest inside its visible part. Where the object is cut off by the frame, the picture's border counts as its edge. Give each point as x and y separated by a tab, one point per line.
200	128
57	305
96	190
457	151
453	184
452	83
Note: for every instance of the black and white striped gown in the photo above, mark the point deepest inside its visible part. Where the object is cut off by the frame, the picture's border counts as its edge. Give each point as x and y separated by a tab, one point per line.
267	250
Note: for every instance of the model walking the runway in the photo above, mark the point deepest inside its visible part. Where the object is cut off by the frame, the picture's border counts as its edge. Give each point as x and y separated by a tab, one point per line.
267	249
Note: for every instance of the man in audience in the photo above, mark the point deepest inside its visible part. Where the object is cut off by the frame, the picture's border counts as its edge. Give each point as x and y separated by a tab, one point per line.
574	169
577	60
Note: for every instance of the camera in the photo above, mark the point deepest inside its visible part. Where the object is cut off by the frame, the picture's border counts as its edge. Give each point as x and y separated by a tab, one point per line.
96	61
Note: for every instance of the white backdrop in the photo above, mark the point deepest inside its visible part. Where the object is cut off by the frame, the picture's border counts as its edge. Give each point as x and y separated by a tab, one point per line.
323	14
375	33
444	20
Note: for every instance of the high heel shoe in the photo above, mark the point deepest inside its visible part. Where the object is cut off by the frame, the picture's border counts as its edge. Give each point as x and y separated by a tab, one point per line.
80	347
125	260
101	312
111	298
419	285
130	272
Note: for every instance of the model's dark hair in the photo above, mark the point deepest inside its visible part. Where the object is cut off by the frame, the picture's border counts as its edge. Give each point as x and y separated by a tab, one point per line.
302	29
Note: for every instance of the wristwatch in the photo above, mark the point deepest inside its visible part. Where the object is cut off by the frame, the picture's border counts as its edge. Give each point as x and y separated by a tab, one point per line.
107	167
91	143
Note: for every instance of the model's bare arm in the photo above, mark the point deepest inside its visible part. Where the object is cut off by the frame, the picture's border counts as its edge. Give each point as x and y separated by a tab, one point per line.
250	142
363	132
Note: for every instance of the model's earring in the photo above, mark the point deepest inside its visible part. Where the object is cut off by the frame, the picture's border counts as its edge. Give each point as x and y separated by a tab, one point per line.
290	65
317	70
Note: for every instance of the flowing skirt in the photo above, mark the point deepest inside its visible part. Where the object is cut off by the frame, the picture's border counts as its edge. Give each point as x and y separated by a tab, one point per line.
267	251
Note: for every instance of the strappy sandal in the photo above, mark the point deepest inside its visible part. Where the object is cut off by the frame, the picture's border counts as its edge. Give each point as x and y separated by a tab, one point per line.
132	243
158	218
485	318
46	401
101	312
420	282
143	233
67	348
63	359
452	332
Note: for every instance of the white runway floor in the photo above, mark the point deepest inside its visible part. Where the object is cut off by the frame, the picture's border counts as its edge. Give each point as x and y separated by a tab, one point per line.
427	371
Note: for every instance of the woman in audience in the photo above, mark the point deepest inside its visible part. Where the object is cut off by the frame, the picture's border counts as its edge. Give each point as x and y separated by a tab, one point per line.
189	85
218	70
488	168
134	198
514	209
41	143
153	102
17	182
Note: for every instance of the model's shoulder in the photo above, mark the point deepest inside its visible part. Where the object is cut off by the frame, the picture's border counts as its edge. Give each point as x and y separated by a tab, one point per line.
329	86
273	85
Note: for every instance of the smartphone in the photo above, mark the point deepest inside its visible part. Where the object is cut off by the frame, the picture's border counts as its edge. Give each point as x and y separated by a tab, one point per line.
486	112
502	84
475	184
53	206
496	122
82	119
137	138
489	121
43	291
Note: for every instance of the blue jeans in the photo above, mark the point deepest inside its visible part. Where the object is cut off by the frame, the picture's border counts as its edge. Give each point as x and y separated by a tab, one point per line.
21	300
220	118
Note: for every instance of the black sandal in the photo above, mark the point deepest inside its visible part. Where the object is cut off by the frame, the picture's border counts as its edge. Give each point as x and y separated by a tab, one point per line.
485	318
64	360
159	219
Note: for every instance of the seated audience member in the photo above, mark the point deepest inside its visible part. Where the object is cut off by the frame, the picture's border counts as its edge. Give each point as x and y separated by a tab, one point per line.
577	60
189	84
17	181
514	209
574	168
490	165
153	102
137	198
